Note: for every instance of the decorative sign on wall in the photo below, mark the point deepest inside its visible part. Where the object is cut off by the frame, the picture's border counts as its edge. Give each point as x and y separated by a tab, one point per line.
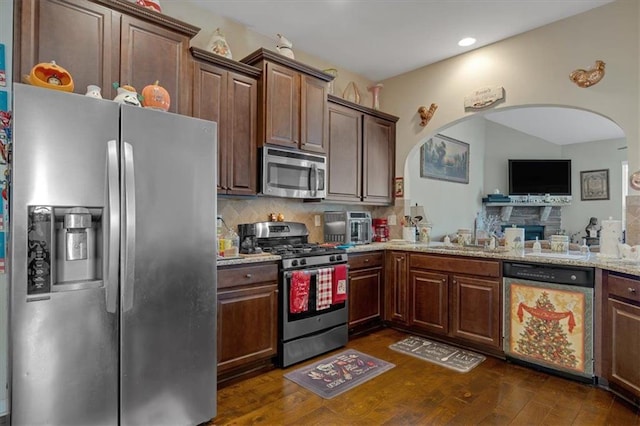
484	97
399	187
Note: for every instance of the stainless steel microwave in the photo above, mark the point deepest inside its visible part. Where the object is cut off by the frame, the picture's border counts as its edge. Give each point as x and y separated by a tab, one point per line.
293	174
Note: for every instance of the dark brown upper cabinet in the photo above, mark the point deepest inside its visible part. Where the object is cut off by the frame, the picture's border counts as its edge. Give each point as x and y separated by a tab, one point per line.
225	91
105	41
292	102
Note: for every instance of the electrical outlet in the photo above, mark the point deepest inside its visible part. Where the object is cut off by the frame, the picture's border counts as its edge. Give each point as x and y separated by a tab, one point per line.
317	221
391	219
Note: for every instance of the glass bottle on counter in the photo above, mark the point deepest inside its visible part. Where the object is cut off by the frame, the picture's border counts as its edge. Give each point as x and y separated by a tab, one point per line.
537	248
228	241
584	248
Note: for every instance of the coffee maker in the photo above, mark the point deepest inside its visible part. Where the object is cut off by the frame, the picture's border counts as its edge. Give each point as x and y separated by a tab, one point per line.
248	239
380	230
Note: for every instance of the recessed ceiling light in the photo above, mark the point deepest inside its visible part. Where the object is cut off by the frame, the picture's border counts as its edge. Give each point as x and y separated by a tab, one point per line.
467	41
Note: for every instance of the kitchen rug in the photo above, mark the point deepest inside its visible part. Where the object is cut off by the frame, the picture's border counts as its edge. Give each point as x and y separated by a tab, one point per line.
438	353
338	373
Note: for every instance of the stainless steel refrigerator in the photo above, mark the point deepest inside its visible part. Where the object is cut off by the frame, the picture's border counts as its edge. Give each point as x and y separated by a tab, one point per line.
112	263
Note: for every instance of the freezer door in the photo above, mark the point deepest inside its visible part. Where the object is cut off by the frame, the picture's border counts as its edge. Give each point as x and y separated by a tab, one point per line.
168	270
63	342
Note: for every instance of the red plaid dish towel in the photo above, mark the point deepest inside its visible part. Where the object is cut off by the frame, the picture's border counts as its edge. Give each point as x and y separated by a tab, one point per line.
323	288
339	285
299	292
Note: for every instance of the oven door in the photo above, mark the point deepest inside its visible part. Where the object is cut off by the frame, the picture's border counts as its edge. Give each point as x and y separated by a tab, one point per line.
293	174
312	320
549	325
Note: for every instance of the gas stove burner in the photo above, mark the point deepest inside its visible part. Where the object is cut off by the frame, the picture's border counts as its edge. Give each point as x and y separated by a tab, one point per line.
296	249
286	239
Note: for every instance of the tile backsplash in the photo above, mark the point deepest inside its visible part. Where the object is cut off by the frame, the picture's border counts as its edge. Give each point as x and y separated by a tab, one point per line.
236	211
632	233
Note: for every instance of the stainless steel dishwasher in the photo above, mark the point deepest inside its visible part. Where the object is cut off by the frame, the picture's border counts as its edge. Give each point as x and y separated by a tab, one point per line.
548	318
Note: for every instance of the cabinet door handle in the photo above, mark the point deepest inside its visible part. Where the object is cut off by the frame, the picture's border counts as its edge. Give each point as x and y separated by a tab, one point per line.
444	280
632	290
248	275
366	261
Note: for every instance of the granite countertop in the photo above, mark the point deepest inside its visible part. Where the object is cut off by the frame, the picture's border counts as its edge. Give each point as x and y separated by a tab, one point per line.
246	259
572	258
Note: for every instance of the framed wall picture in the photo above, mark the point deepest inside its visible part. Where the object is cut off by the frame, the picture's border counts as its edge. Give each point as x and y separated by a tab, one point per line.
594	185
399	188
444	158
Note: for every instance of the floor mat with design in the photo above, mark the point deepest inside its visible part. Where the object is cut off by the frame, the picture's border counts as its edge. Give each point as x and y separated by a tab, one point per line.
439	353
338	373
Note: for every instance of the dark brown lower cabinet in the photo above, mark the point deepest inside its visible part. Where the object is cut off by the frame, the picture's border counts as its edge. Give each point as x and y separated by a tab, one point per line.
429	295
621	335
476	310
366	274
396	303
247	320
454	298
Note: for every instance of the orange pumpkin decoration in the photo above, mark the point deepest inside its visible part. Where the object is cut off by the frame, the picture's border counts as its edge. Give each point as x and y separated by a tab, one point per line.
155	96
51	76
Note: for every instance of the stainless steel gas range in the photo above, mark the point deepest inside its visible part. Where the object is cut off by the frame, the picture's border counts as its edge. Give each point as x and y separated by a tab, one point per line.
313	290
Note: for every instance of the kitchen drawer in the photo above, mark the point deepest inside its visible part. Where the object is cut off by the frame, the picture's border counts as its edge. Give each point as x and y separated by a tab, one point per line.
366	260
459	265
243	275
624	287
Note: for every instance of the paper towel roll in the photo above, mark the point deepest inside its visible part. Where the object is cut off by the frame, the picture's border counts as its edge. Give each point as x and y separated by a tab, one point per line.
514	239
610	236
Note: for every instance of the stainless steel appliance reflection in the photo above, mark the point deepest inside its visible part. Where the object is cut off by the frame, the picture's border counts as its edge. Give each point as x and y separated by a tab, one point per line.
303	334
112	263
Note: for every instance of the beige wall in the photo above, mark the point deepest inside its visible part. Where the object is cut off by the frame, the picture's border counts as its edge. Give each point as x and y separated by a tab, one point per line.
533	68
242	41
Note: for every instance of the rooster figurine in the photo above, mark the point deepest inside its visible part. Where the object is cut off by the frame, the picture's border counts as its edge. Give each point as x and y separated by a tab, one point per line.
586	78
426	114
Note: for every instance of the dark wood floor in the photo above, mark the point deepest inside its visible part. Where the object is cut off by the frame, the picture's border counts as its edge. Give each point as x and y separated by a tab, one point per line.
417	392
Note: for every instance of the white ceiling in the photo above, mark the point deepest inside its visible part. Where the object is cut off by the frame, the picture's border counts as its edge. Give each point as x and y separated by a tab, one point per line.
384	38
562	126
380	39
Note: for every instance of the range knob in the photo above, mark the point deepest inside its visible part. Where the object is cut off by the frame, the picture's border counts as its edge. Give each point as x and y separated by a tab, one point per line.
294	262
339	257
303	261
332	258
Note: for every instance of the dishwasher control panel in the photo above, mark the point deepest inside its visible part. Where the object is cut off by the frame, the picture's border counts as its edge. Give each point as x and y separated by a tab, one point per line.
572	275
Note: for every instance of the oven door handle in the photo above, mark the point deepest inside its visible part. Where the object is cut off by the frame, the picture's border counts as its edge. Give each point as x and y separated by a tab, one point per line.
289	274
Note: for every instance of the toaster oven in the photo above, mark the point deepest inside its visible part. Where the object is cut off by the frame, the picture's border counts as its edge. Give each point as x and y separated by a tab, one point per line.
347	227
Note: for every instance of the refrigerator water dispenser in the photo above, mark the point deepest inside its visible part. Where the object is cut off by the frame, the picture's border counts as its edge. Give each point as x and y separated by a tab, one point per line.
75	246
64	249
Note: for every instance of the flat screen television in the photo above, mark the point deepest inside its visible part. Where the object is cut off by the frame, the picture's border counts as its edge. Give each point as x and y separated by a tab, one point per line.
539	177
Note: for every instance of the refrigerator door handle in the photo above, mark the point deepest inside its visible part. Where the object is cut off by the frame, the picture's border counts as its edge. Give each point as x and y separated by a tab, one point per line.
129	237
113	237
